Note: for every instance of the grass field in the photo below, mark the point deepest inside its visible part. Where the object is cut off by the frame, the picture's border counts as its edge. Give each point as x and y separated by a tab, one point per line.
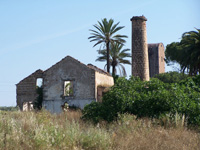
42	130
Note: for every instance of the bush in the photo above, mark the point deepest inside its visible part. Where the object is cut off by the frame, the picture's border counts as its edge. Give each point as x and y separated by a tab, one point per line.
37	104
11	108
148	99
171	77
42	130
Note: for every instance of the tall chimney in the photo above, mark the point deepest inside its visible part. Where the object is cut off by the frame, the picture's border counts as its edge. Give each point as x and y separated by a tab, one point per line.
140	61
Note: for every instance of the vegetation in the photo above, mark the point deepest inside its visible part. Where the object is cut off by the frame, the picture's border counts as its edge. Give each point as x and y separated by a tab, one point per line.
117	58
186	52
37	104
153	99
68	89
106	34
11	108
171	77
42	130
133	115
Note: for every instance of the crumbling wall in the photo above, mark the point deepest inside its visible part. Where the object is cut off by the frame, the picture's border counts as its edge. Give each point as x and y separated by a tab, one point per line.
68	69
27	106
68	81
100	92
26	89
153	59
156	54
161	54
102	81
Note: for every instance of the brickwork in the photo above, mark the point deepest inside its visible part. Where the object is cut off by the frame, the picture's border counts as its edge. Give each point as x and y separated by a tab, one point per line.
156	58
85	79
69	69
26	89
161	57
140	61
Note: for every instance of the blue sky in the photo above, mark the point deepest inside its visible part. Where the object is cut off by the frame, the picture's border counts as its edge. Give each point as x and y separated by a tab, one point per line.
36	34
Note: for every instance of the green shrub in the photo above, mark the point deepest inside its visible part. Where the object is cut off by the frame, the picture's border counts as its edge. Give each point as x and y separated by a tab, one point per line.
171	77
148	99
11	108
37	104
93	111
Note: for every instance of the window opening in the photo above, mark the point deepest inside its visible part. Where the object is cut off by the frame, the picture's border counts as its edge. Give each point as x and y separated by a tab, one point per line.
39	82
68	88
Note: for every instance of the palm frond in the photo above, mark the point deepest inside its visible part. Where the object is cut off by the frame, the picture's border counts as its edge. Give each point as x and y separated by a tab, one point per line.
99	42
123	70
117	29
113	28
105	32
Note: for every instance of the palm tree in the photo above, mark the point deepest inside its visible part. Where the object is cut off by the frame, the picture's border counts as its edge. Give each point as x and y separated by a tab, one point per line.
106	34
186	52
191	45
117	57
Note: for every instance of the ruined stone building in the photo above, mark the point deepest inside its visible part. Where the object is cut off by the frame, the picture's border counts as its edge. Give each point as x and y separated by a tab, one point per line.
147	59
26	90
156	53
68	81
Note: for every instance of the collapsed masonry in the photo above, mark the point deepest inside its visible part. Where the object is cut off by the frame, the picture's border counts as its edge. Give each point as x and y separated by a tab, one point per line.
72	82
156	54
68	81
147	59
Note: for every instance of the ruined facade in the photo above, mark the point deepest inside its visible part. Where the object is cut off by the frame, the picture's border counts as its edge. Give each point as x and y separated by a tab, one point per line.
147	59
156	53
68	81
26	89
140	61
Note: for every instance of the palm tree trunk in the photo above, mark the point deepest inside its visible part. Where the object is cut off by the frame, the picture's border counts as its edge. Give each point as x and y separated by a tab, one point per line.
113	70
108	57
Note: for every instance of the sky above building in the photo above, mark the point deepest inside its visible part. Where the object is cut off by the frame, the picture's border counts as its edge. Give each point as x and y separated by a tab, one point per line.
36	34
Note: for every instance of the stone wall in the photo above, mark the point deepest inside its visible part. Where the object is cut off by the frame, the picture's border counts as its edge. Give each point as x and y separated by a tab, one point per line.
27	106
102	81
68	69
140	61
161	55
156	58
84	81
26	89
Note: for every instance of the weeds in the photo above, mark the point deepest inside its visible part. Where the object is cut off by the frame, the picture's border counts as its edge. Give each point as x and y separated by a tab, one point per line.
42	130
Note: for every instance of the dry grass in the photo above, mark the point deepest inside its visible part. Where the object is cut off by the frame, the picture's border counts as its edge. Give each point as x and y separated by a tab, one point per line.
29	130
143	135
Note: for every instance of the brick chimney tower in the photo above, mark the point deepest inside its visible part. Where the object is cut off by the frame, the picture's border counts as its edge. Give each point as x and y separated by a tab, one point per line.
140	61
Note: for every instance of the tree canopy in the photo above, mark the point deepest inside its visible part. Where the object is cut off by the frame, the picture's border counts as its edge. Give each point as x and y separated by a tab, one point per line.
117	58
186	52
171	77
153	99
105	34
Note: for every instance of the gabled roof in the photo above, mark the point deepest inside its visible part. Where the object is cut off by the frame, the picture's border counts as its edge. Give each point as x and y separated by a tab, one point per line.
97	69
67	57
33	74
90	66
